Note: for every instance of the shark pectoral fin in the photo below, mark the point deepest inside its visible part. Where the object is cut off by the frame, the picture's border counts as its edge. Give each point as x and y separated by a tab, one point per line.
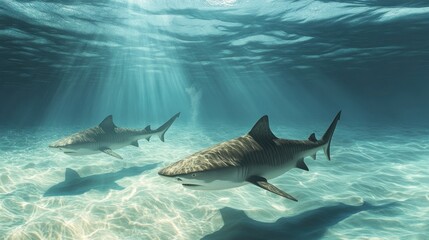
301	164
135	143
262	183
110	152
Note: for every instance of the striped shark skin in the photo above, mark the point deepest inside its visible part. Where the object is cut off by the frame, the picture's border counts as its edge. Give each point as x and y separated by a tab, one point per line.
253	158
106	137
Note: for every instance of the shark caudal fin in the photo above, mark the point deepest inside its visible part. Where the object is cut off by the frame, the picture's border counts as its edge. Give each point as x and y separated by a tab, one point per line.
327	137
161	130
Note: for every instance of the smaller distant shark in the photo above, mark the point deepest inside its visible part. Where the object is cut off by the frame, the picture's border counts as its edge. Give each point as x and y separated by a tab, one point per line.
107	136
76	185
252	158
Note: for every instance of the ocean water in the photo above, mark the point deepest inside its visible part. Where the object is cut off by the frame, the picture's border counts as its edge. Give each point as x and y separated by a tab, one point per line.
66	65
375	187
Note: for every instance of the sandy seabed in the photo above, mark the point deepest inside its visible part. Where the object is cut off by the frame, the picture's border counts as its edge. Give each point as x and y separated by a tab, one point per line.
375	187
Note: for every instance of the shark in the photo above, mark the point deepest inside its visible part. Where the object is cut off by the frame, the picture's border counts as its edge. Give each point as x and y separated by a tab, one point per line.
74	184
106	137
250	159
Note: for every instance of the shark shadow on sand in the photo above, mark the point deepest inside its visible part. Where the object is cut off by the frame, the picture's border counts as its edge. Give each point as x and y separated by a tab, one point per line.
312	224
76	185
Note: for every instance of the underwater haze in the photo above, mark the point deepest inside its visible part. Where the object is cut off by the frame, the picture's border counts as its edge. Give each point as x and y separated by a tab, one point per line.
223	64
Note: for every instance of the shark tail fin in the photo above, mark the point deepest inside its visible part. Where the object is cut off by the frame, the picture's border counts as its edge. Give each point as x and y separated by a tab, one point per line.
327	137
161	130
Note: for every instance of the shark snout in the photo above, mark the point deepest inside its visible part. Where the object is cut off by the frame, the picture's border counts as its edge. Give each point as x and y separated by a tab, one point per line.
162	173
165	175
55	147
169	177
166	172
172	179
61	148
180	179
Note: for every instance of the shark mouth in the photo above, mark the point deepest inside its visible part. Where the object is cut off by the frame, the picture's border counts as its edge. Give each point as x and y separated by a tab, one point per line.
190	185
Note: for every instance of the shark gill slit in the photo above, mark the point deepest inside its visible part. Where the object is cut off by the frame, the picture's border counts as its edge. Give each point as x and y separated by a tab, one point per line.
240	173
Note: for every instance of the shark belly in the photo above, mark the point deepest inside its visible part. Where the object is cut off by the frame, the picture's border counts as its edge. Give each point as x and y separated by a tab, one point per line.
116	145
224	178
105	142
216	185
270	172
234	176
81	152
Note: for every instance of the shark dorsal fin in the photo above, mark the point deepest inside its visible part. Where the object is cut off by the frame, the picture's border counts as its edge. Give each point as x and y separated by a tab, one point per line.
261	130
71	175
107	124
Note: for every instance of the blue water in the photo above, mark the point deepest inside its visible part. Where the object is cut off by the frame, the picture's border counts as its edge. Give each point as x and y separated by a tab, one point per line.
65	66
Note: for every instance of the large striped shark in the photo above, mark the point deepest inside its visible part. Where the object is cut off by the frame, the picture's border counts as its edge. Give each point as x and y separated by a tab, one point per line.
107	136
252	158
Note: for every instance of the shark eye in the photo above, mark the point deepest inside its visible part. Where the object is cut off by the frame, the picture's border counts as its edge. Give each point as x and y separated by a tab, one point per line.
194	175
